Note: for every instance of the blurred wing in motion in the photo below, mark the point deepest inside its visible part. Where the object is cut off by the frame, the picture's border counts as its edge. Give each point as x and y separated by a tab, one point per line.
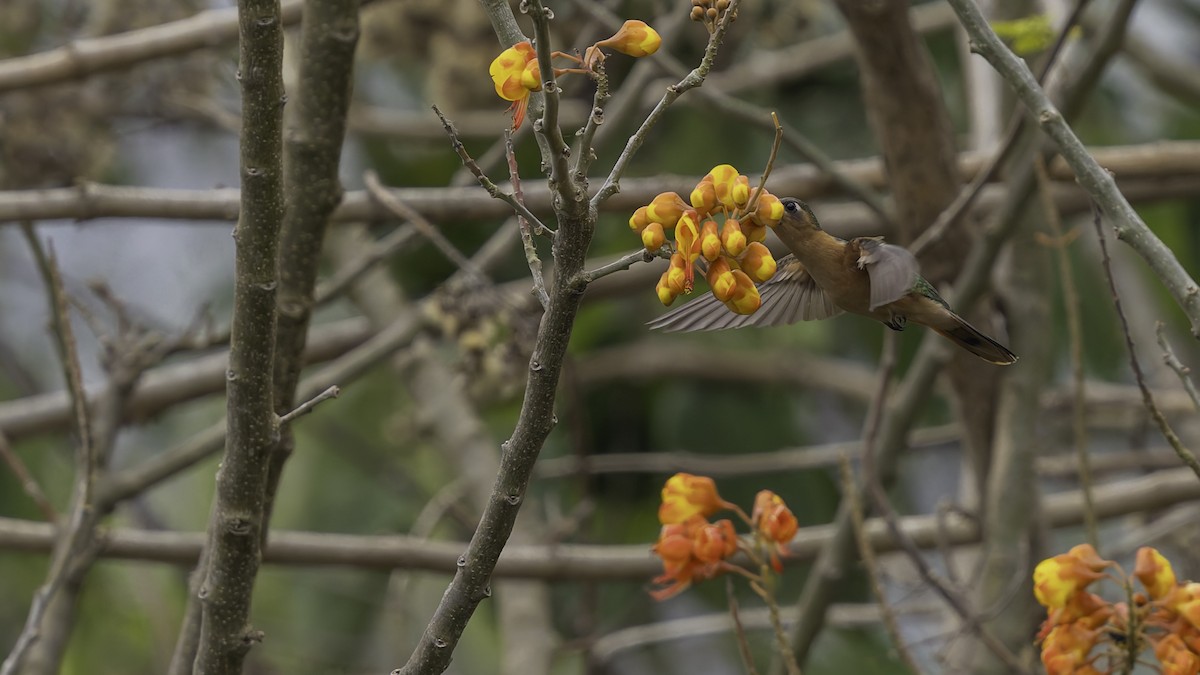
789	296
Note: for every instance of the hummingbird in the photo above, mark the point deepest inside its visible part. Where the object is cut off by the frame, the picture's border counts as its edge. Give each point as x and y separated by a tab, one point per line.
825	275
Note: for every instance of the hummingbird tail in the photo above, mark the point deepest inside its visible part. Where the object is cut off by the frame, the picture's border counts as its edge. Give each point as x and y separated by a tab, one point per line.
969	338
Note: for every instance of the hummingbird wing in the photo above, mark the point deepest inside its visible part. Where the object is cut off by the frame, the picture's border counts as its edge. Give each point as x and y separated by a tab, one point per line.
789	296
892	269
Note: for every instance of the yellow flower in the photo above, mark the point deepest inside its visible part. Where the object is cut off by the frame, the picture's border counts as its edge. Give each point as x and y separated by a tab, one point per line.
515	73
685	495
508	71
1057	579
1155	573
635	39
676	274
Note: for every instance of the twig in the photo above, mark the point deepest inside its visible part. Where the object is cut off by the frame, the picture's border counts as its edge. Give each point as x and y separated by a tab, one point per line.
612	184
871	564
27	480
75	546
555	152
427	230
1075	333
739	631
766	173
1176	365
1091	176
523	225
1184	454
307	406
386	247
951	214
624	262
484	181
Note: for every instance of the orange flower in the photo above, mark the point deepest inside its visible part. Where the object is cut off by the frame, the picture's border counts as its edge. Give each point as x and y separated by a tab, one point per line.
653	236
676	277
1155	573
724	177
1057	579
774	522
1186	602
685	496
1175	657
515	73
715	541
691	550
1065	650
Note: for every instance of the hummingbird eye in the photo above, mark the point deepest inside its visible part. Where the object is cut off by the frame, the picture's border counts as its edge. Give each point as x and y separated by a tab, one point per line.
791	206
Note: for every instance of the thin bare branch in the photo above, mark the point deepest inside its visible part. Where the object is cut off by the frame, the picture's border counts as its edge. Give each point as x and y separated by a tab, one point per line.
1156	414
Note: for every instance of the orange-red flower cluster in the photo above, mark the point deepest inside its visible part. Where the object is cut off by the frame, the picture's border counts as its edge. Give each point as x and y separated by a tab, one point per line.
515	72
1166	616
692	548
733	249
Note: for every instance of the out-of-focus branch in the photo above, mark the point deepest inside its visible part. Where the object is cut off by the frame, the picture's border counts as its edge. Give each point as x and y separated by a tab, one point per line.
206	29
169	385
1092	176
1185	455
312	190
1162	164
238	517
1156	490
40	645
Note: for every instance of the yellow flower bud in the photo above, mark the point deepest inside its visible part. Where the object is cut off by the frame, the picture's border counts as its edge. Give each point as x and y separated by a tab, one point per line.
639	220
754	231
653	237
757	262
724	177
677	274
732	237
745	298
739	192
769	210
704	197
720	278
665	295
635	39
666	208
710	241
